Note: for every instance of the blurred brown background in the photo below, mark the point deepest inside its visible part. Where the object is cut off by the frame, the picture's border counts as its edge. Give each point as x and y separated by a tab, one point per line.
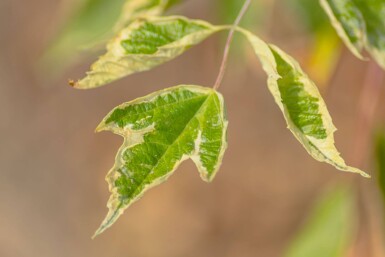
52	164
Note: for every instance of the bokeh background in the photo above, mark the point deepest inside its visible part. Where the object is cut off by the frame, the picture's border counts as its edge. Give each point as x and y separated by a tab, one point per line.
52	164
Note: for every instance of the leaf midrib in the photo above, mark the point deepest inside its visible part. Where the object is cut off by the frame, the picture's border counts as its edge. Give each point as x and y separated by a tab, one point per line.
116	211
170	146
162	106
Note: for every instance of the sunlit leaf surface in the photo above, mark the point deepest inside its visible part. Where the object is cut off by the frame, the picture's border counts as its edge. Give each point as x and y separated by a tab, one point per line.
144	44
329	229
301	103
160	131
361	25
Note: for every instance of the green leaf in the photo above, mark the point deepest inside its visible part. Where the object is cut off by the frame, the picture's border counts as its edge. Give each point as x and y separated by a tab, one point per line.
160	131
329	229
360	24
95	22
301	103
144	44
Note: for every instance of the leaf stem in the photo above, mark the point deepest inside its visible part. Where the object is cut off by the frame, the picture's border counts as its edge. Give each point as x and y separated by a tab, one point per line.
222	69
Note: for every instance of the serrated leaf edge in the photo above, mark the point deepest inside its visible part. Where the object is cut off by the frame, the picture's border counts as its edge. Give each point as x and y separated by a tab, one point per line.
114	205
115	53
263	51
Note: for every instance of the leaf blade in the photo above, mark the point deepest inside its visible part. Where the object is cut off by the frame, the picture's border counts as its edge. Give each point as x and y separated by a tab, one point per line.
301	103
360	24
145	44
161	131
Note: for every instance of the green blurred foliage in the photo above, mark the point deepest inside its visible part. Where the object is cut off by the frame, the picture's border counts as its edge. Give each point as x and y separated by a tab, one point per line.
310	13
89	25
229	11
171	3
326	48
329	228
380	158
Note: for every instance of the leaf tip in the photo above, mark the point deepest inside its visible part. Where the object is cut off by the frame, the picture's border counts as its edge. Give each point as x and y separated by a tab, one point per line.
355	170
71	82
77	84
99	231
365	175
112	216
206	178
74	84
95	234
100	127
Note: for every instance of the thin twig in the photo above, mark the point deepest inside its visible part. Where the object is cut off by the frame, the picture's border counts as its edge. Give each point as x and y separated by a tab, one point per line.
228	43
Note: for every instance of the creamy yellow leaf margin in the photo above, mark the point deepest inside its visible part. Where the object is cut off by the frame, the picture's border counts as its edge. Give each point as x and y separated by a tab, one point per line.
357	24
135	137
356	47
116	63
322	150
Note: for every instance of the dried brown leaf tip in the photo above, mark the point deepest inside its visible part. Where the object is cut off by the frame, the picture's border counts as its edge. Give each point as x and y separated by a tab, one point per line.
71	82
